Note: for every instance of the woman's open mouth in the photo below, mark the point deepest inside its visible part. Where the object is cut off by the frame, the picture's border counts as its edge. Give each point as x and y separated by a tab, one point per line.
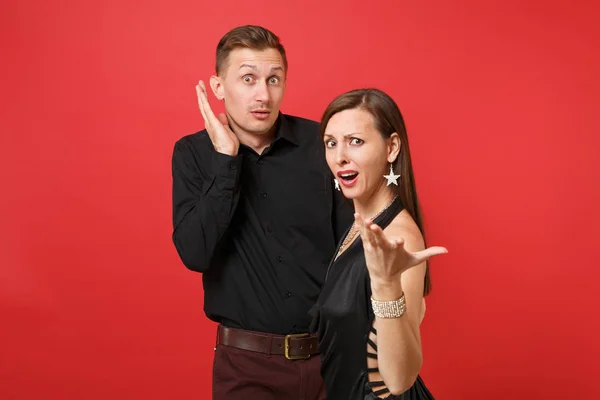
347	178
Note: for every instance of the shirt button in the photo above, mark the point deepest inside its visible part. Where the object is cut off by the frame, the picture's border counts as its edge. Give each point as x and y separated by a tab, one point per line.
289	294
263	194
227	195
269	229
232	167
279	258
260	161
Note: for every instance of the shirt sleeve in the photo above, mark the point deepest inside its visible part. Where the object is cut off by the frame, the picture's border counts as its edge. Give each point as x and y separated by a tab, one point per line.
205	196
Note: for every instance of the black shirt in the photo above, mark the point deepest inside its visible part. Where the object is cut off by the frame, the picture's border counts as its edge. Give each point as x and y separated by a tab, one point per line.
261	228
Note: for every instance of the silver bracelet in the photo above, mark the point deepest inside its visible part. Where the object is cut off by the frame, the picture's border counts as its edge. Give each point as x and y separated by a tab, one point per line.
389	309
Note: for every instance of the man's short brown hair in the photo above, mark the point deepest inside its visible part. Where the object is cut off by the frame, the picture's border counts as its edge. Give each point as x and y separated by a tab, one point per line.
248	36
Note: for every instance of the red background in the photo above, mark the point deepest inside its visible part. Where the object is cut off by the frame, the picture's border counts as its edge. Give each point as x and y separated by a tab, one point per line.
501	101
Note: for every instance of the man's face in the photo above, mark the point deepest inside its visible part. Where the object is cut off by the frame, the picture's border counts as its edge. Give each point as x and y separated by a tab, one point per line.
252	84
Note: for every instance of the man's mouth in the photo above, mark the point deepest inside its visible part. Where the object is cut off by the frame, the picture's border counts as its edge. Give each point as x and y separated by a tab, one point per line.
261	114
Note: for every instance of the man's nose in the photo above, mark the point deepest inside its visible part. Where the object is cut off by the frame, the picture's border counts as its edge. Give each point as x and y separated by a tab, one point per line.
261	92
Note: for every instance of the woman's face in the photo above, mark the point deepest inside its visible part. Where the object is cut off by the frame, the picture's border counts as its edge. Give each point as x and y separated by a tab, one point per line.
357	154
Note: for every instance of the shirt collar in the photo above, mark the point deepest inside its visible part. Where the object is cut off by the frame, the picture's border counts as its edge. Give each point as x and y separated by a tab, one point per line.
284	130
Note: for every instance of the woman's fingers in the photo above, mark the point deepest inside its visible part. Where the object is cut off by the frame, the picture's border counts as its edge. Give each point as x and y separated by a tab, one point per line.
424	255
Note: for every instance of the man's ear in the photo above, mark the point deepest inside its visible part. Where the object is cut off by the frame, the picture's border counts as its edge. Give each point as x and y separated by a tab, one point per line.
217	87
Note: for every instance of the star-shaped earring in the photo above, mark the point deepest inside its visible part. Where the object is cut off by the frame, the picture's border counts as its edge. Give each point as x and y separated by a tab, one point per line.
392	177
337	184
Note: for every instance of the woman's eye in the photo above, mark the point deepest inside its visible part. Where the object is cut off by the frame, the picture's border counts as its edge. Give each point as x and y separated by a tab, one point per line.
330	143
356	141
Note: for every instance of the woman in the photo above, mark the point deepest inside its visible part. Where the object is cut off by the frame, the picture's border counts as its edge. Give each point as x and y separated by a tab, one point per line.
369	311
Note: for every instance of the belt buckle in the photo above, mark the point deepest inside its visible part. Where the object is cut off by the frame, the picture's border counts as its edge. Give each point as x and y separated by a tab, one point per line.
287	346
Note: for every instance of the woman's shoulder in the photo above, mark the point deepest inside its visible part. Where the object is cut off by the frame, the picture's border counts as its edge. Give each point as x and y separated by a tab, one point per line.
404	226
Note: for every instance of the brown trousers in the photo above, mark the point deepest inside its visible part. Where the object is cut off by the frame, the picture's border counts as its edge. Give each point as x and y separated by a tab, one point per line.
241	374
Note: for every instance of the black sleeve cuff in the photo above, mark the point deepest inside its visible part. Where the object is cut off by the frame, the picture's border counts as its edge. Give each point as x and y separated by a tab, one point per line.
227	171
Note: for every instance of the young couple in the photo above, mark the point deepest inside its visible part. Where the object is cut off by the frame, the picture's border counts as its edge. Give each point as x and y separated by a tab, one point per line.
316	296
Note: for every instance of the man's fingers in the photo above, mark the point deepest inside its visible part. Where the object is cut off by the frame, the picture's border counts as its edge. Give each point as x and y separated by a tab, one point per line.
207	112
201	102
223	119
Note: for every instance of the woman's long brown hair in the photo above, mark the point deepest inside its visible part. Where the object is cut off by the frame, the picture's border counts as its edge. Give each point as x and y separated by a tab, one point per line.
388	119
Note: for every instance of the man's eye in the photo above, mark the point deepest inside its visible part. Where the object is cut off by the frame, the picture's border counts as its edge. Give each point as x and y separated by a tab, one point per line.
247	79
274	80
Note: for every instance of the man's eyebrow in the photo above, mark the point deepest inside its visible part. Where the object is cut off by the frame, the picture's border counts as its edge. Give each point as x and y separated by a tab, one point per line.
253	67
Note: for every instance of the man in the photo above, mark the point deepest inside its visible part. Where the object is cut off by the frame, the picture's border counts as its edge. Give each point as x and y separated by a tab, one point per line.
255	211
